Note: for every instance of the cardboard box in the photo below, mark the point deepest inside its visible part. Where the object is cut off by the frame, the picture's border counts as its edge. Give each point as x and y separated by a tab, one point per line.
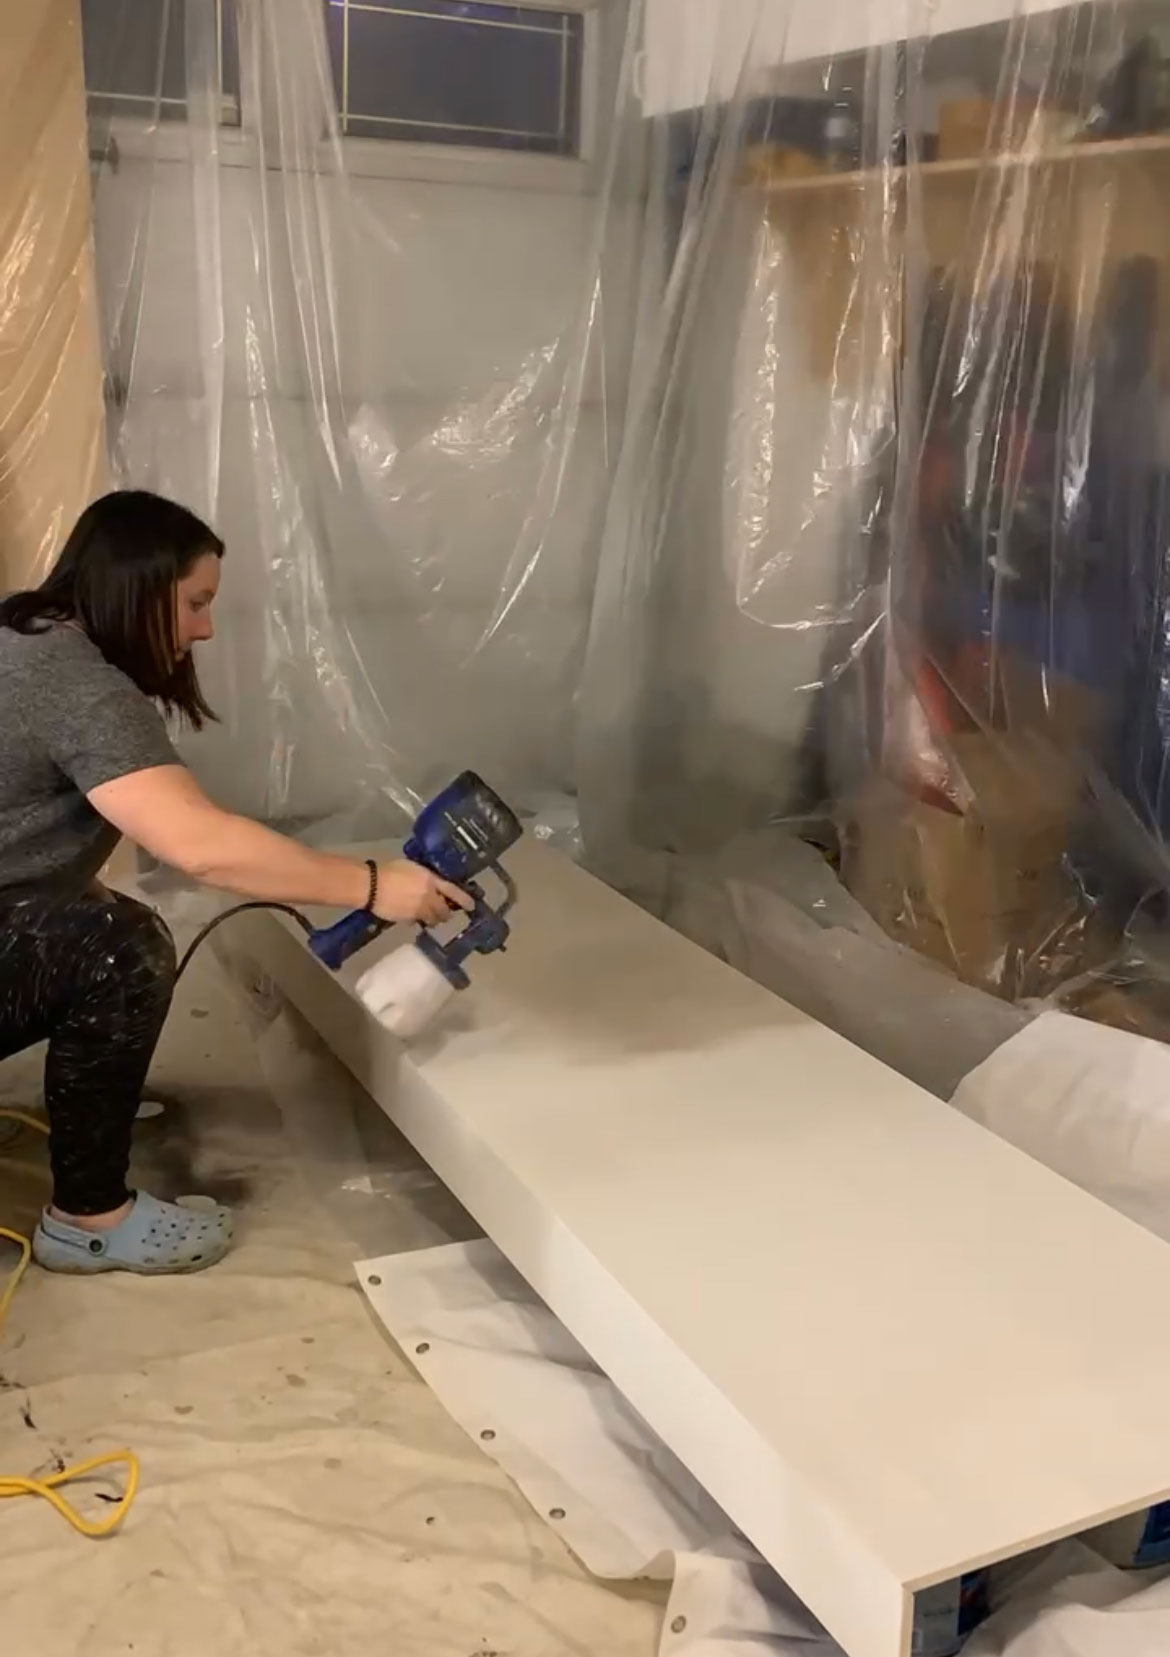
986	891
1034	705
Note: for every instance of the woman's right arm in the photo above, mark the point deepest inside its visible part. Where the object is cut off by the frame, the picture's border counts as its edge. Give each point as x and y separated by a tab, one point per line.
164	811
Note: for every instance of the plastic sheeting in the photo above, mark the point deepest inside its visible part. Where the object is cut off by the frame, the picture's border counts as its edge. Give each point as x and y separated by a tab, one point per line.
887	538
390	394
797	456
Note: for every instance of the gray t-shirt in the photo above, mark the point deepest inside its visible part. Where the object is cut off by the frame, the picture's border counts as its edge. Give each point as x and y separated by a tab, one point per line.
69	723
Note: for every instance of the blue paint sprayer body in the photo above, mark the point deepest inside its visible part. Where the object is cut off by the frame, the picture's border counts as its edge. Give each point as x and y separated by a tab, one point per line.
462	834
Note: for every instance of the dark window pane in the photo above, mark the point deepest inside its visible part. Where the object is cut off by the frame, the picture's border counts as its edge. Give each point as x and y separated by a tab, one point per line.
458	72
470	11
229	35
574	74
135	56
335	35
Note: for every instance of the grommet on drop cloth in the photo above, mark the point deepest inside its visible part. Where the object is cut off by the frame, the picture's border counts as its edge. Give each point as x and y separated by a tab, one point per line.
556	1513
679	1625
423	1348
374	1282
487	1435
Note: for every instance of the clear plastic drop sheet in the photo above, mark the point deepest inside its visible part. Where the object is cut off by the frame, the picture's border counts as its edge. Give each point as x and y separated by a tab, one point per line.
799	457
394	390
887	542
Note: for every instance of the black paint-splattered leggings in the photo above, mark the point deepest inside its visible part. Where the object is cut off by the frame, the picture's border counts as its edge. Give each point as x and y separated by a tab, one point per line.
94	977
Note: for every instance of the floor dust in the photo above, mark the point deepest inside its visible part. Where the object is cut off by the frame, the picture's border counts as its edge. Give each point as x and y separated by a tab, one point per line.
303	1493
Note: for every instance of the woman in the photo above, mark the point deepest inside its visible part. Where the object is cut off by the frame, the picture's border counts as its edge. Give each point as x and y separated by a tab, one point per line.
87	661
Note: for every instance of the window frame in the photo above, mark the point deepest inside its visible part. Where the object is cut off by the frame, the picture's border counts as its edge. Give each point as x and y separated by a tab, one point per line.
409	160
403	160
231	111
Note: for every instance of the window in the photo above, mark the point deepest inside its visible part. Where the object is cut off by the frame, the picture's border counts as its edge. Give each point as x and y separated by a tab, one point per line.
136	58
459	72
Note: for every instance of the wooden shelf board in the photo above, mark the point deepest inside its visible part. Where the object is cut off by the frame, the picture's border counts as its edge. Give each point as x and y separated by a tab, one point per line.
1120	149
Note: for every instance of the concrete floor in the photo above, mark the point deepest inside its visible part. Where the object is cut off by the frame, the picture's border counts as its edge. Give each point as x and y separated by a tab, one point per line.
302	1492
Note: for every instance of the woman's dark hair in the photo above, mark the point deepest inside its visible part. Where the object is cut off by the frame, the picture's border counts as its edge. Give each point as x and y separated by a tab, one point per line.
115	577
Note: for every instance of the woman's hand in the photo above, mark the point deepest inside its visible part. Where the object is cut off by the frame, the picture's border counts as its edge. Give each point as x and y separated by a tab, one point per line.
407	892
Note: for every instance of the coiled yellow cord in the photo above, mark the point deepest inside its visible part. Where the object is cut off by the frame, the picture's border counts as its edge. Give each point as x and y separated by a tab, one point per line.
48	1489
13	1283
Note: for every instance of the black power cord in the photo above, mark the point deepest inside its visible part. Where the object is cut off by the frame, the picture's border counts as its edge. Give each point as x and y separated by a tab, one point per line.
202	936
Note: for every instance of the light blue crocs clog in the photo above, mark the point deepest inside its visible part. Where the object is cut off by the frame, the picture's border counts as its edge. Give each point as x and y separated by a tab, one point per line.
155	1238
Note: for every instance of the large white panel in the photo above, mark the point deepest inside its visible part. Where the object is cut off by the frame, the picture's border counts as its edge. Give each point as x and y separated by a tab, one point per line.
891	1346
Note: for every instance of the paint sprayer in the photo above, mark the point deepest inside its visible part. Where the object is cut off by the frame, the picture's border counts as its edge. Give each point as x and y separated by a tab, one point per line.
460	836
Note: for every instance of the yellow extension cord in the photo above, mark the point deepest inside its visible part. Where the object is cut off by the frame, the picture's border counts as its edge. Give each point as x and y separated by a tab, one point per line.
49	1489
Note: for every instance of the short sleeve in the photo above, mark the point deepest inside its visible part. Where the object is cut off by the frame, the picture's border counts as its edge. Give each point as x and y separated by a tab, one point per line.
96	726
